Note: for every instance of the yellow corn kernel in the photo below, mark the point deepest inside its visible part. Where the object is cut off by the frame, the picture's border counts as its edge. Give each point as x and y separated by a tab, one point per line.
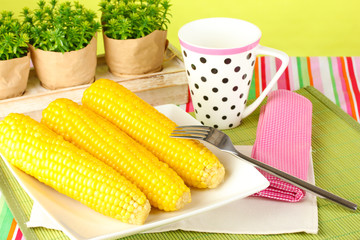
41	153
91	132
197	165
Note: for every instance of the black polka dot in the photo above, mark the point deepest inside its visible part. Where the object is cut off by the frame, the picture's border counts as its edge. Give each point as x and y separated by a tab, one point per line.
249	56
237	69
241	95
214	70
188	73
245	101
196	86
203	79
199	104
215	90
249	82
193	66
202	122
253	62
216	126
185	54
192	92
227	61
224	99
196	111
215	108
225	80
230	125
205	98
238	114
232	107
207	116
224	117
244	76
235	88
203	60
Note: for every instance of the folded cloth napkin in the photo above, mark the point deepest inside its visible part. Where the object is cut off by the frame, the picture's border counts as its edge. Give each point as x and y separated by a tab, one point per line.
283	141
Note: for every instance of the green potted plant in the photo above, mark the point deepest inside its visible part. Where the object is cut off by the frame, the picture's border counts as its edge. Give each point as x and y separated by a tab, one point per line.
14	56
62	43
135	33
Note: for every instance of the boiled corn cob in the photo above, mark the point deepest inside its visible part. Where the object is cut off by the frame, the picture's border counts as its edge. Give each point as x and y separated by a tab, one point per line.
41	153
91	132
196	164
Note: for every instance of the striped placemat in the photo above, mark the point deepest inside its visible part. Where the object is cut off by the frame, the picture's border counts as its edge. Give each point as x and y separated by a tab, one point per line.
336	77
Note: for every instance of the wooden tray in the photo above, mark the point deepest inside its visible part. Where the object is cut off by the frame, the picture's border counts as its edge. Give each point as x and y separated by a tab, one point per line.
167	86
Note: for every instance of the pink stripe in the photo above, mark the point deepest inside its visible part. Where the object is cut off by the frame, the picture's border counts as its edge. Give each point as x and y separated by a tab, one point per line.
282	80
291	77
338	67
262	67
218	51
338	84
316	75
19	235
189	105
356	61
268	74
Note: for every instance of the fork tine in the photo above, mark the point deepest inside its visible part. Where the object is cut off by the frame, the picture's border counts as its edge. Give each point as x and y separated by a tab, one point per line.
187	137
189	134
193	127
190	131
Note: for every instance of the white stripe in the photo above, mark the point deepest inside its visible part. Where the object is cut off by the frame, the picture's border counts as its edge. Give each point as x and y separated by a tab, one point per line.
328	90
15	232
357	77
182	106
294	73
272	71
259	74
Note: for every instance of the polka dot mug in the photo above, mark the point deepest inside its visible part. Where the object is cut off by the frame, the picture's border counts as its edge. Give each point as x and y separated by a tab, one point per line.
219	56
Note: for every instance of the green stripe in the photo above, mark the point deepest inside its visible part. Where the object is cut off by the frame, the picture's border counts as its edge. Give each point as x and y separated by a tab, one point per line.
298	62
304	72
333	82
252	91
5	218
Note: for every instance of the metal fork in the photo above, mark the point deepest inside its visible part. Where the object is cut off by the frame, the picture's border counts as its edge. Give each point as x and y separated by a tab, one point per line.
223	142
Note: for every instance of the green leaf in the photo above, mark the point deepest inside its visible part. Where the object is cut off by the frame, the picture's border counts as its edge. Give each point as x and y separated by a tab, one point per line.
13	39
60	27
142	17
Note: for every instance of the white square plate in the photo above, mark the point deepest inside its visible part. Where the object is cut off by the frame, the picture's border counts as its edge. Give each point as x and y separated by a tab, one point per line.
80	222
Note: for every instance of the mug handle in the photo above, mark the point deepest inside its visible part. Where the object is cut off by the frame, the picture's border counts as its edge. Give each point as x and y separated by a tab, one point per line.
284	63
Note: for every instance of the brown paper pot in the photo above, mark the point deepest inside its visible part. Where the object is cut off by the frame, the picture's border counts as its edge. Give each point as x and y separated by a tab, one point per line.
136	56
14	74
59	70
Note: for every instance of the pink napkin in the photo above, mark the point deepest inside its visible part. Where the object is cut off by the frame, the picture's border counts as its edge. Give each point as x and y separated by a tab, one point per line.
283	140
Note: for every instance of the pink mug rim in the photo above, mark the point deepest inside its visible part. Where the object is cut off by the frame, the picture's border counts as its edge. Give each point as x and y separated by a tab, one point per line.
219	51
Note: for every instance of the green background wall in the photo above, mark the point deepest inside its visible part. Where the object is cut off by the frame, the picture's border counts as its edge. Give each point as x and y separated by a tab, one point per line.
300	28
